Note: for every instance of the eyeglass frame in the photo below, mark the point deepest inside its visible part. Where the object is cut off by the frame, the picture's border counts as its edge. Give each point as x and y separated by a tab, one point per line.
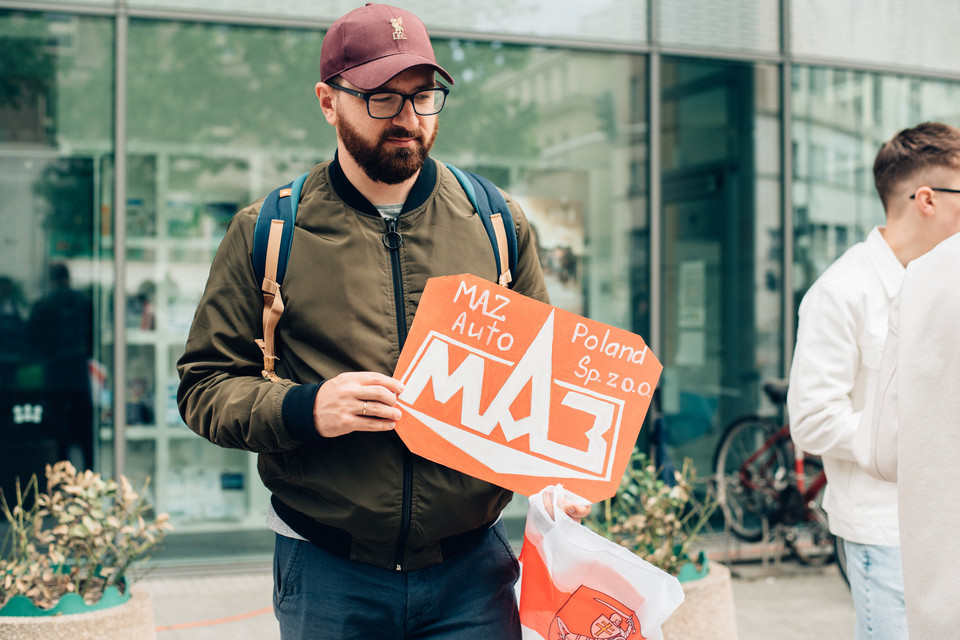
366	95
943	189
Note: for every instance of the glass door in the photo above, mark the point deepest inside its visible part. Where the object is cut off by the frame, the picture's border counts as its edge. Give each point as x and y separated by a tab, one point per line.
56	261
714	254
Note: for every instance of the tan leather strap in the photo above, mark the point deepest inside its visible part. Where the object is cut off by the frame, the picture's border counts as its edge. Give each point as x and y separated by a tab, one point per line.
272	301
501	232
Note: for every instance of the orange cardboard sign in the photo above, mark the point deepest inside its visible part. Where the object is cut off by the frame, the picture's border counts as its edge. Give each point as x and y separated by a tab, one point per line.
519	393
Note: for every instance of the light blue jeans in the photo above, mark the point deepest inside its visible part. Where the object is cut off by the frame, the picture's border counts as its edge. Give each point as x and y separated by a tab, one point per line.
876	583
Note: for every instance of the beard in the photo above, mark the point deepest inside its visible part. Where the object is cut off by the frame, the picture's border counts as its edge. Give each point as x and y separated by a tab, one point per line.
379	162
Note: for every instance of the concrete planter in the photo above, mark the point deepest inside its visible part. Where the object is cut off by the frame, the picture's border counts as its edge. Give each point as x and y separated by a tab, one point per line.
707	611
132	620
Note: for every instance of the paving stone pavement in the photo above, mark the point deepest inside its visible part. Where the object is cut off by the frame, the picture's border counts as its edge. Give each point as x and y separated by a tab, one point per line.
774	601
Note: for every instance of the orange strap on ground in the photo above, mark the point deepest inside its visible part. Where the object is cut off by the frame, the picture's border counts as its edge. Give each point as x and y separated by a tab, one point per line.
215	621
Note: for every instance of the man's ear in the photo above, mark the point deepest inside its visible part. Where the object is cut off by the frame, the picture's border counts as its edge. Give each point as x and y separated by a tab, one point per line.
924	200
326	97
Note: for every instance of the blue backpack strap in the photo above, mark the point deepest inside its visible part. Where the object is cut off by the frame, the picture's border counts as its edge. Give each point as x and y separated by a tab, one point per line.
488	201
272	241
280	204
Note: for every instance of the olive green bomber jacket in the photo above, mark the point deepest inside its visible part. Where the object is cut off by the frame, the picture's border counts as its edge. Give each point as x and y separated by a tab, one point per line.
348	303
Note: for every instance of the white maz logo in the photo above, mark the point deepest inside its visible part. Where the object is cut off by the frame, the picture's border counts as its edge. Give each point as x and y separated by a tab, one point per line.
546	457
23	413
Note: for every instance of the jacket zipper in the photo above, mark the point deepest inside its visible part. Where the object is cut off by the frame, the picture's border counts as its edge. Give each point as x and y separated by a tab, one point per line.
392	240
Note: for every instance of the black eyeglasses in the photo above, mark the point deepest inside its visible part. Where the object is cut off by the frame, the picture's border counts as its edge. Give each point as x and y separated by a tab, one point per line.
913	195
384	105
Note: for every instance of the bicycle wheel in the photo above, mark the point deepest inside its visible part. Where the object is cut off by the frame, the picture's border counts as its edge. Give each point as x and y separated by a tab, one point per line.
748	467
810	539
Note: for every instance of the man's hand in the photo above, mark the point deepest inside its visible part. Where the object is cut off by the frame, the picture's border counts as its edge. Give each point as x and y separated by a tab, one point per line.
356	401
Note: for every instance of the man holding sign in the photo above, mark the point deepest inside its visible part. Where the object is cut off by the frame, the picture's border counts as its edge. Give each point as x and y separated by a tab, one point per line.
370	536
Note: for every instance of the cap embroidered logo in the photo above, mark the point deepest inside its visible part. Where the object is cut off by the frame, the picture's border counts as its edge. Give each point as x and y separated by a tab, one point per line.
398	29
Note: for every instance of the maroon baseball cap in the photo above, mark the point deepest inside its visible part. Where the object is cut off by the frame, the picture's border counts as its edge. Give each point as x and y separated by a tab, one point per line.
370	45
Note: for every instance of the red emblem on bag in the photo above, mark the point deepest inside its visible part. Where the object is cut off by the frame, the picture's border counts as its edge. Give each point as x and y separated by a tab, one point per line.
592	615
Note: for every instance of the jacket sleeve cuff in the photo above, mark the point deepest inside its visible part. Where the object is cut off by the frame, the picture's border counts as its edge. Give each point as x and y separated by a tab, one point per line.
297	411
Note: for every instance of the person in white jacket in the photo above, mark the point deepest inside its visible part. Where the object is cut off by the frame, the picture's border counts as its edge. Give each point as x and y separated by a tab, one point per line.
840	336
911	434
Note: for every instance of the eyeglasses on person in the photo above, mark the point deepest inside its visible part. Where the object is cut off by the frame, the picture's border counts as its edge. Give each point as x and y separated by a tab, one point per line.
384	105
943	189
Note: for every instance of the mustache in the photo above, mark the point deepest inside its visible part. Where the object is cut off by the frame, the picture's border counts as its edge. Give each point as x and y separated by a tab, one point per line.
400	132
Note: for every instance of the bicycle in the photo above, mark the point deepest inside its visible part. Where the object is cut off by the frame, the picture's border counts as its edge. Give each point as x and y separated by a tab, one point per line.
764	484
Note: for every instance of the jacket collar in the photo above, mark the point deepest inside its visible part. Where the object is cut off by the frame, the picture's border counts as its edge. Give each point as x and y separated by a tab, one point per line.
422	188
885	261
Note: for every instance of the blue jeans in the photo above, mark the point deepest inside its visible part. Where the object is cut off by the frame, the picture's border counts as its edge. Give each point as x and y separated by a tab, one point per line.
876	583
318	595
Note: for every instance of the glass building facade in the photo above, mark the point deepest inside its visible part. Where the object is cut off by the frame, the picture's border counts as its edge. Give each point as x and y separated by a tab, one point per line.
690	166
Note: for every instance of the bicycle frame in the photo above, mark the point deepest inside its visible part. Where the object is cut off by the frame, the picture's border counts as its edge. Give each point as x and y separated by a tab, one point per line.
748	463
781	438
766	485
818	482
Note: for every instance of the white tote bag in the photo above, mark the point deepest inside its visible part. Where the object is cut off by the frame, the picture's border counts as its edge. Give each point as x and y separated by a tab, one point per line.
577	585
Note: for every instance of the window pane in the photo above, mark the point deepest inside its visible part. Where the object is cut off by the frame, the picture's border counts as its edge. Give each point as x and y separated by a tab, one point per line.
564	132
722	241
924	32
599	20
739	25
559	131
56	105
841	119
217	117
